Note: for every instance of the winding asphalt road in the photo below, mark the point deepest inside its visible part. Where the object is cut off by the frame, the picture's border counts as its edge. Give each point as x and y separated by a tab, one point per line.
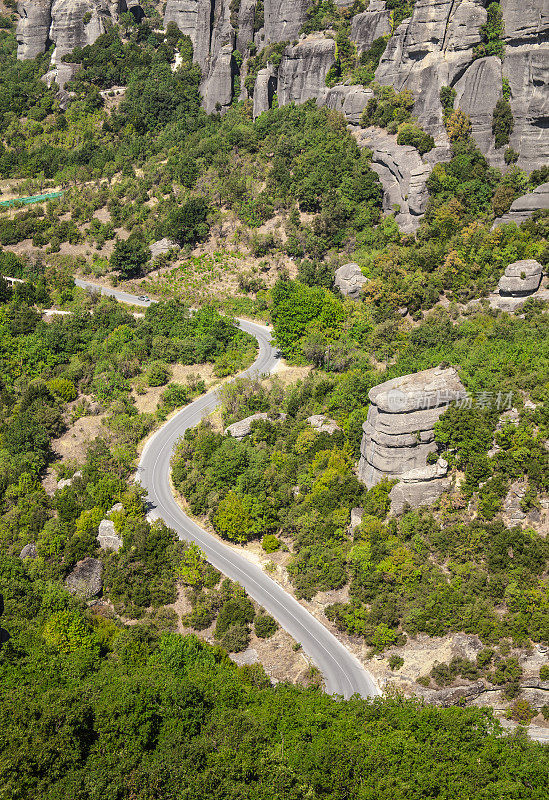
343	674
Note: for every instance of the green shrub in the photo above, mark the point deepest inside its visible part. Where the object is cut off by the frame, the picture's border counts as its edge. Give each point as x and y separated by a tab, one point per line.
544	672
502	122
158	374
395	661
265	626
270	543
235	639
63	388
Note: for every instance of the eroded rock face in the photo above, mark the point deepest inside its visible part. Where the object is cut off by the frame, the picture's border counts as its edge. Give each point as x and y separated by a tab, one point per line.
348	100
86	579
303	70
33	28
65	23
434	48
430	50
403	174
370	25
284	19
350	280
265	87
193	18
398	434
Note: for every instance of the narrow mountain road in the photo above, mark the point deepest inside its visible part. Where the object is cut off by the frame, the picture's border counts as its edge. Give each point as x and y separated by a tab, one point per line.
343	674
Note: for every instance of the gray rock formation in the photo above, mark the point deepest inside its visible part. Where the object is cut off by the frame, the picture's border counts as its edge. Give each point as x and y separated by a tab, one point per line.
477	93
399	434
193	18
430	50
62	22
526	67
284	19
403	174
68	481
161	247
265	87
243	427
420	487
521	278
370	25
33	28
350	280
523	207
303	70
107	537
86	579
322	424
29	551
520	281
348	100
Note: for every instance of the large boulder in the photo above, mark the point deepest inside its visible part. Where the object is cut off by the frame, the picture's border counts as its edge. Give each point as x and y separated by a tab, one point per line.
521	278
398	434
350	280
108	537
322	424
523	207
29	551
86	579
238	430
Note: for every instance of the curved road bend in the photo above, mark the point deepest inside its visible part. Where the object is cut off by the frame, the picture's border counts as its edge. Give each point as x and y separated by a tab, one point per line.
343	673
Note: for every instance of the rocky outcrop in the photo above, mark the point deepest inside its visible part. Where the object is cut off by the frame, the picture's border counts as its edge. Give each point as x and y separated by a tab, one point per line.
265	88
350	280
107	537
284	19
520	281
303	70
348	100
238	430
322	424
403	174
161	247
29	551
370	25
398	435
86	579
521	278
523	207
